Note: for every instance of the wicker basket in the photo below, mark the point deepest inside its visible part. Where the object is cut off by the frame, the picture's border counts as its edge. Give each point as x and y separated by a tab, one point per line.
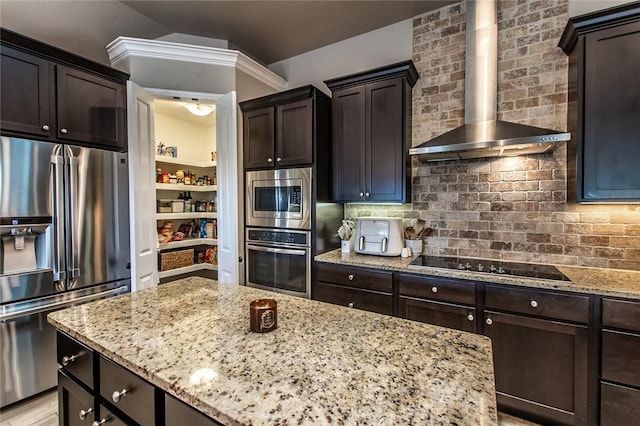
176	259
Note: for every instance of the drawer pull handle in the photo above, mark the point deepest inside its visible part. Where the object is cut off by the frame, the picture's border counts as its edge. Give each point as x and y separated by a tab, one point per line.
64	131
350	304
489	321
278	159
45	127
66	360
434	289
351	277
269	160
117	395
101	422
470	317
84	413
534	304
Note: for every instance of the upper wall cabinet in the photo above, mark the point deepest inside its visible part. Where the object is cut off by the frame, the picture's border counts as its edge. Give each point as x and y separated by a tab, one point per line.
279	130
371	121
604	105
49	94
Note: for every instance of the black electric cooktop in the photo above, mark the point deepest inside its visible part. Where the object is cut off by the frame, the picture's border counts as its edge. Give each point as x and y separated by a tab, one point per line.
528	270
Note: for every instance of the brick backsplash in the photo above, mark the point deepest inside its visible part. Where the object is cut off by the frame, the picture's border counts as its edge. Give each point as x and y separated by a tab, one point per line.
508	208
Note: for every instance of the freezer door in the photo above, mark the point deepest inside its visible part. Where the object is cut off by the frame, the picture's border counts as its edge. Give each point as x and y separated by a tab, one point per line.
96	193
25	182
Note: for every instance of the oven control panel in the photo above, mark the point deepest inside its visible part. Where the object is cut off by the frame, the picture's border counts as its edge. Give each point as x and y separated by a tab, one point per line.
276	236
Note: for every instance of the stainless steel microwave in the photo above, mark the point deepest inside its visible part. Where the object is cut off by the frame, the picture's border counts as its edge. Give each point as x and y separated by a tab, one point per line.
279	198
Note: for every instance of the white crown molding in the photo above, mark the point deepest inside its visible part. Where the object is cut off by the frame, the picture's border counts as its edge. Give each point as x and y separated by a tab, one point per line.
123	48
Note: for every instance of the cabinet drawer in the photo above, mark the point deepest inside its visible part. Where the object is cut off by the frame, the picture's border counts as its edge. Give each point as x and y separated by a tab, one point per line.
437	313
138	399
538	303
109	418
621	357
619	405
360	299
177	413
621	314
351	276
76	405
75	358
442	289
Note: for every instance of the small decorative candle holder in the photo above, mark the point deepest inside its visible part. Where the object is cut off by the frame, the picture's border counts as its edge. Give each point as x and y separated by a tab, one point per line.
263	315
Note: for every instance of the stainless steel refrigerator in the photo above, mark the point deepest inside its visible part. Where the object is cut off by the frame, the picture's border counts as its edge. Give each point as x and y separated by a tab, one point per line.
64	224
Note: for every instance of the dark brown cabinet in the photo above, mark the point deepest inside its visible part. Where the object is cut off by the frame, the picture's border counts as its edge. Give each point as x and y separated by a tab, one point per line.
76	406
360	288
540	358
177	413
371	122
439	301
604	106
281	130
620	373
49	94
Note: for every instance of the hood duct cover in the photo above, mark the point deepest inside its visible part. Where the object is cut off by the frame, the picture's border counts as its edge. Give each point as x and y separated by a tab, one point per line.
482	135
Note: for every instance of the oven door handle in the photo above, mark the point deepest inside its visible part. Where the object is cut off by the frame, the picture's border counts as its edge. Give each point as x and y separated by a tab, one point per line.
278	250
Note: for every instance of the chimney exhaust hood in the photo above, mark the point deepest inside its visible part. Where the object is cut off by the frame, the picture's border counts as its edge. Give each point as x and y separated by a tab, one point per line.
482	135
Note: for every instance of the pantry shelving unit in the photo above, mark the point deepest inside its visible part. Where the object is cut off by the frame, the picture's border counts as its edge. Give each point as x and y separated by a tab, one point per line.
201	192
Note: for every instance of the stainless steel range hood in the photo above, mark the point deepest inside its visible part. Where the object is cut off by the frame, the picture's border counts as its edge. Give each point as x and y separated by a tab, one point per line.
482	135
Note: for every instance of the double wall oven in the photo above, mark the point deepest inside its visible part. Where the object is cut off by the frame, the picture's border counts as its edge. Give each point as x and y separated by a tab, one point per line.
278	230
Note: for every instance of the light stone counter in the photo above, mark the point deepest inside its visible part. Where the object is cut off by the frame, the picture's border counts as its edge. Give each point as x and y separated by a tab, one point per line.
606	282
325	364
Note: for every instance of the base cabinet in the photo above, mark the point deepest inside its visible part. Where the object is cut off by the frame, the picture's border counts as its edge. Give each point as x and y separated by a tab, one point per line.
540	367
114	396
620	367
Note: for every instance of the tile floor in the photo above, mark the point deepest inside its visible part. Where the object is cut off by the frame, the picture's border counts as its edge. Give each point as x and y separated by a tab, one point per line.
43	411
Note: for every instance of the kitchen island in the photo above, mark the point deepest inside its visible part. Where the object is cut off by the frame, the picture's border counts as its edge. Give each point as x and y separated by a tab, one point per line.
324	364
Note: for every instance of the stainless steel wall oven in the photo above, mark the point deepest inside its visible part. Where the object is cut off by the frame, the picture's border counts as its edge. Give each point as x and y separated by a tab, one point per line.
279	260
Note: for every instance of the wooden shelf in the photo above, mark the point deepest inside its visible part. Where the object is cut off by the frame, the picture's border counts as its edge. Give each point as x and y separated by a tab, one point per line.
181	187
186	215
182	162
188	242
187	269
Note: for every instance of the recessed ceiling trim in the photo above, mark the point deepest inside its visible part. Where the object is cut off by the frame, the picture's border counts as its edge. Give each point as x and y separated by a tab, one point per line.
123	48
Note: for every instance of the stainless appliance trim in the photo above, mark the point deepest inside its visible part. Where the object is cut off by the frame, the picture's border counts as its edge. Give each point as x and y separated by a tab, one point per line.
31	307
59	266
279	178
277	250
74	270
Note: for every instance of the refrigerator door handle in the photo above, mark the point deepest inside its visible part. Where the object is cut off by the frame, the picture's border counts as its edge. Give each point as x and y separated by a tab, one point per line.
74	269
57	171
59	304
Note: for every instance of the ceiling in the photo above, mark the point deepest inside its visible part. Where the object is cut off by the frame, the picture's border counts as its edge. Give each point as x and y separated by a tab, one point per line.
266	30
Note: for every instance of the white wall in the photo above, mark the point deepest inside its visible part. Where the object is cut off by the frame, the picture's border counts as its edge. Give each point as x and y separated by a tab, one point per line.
580	7
377	48
194	142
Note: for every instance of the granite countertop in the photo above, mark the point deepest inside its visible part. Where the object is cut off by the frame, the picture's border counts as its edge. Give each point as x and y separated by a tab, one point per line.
324	364
605	282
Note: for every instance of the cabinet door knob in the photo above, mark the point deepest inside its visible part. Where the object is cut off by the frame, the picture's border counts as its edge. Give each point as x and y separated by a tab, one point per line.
64	131
489	321
278	159
66	360
269	160
117	395
350	277
534	304
84	413
434	289
101	422
350	304
470	317
362	194
45	128
366	194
